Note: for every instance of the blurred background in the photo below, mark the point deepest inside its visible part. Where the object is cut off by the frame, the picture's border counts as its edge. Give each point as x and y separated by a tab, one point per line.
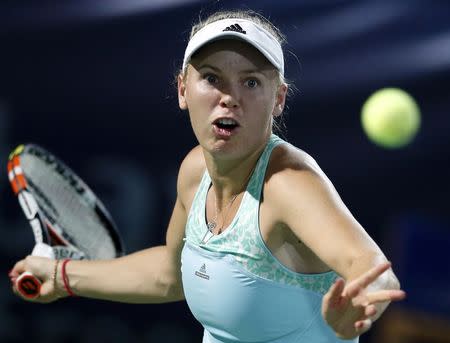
92	81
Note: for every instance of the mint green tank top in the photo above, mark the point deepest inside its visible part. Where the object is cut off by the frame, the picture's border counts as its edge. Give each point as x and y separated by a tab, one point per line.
237	289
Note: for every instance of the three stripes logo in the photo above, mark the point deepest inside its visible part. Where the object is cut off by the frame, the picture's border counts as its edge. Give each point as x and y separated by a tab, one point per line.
202	272
235	28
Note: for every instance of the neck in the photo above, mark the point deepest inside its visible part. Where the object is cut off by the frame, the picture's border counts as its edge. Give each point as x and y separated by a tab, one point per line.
231	177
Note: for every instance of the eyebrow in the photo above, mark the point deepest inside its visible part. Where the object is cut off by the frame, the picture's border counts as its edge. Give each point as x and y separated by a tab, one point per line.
203	66
246	71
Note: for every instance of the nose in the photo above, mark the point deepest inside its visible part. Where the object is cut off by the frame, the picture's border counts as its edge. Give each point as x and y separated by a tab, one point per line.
229	99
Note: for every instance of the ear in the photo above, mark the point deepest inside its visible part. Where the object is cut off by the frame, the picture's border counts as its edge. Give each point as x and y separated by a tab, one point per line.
181	85
280	100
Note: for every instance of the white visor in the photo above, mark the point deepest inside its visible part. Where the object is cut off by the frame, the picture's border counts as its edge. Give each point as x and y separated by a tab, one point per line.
242	29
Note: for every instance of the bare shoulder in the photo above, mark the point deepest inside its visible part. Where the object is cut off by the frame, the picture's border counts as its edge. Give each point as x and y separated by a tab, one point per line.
190	175
294	179
290	164
300	196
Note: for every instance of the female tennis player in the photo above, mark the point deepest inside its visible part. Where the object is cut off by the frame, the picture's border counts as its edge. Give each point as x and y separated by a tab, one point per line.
259	243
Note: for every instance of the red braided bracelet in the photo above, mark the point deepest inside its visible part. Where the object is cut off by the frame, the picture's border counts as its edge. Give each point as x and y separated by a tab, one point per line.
66	278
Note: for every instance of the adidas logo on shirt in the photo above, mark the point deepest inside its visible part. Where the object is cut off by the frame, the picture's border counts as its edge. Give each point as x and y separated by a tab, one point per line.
202	272
235	28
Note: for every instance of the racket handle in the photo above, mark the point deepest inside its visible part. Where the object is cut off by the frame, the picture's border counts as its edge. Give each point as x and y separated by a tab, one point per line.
28	285
43	250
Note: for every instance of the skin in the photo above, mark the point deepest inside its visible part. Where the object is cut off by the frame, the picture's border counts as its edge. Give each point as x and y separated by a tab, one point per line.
230	79
303	221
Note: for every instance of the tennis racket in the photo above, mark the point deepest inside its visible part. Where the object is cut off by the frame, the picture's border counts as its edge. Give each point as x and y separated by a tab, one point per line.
66	217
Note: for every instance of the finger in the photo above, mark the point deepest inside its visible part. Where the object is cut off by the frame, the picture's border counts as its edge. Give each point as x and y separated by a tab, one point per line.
334	295
48	293
362	326
366	279
370	311
18	269
385	295
13	280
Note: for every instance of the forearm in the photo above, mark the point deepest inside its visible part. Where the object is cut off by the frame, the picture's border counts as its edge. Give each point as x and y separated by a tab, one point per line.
143	277
386	281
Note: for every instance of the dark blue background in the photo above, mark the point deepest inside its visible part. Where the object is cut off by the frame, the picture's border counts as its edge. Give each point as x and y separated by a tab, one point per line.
93	81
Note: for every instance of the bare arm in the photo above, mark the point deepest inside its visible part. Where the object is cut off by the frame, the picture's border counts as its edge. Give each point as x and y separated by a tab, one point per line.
309	205
149	276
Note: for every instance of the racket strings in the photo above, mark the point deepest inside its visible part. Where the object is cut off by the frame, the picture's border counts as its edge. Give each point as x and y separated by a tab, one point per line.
65	206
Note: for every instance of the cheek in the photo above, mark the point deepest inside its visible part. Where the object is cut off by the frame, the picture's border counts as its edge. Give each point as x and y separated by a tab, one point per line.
262	103
200	102
200	97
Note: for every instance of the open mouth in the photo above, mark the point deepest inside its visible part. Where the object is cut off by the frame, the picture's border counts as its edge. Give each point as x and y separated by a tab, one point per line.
226	123
225	126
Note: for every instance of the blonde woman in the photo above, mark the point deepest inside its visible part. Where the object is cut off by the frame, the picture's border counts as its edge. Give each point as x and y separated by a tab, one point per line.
259	243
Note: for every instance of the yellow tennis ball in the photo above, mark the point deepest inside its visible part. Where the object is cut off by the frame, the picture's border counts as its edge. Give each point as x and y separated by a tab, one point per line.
391	118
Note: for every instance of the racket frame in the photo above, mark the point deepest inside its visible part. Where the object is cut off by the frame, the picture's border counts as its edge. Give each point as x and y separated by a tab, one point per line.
50	240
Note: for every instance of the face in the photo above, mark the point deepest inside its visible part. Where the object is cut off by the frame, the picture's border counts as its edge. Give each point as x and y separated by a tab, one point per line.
232	92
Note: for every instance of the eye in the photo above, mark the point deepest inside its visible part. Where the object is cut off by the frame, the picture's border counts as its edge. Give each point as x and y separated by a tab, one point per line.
252	83
211	78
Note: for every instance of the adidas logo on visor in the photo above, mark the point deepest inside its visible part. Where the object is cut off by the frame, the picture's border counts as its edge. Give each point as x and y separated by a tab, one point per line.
235	28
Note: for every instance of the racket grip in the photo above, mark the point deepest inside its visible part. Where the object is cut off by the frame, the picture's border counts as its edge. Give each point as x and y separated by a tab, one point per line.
28	285
43	250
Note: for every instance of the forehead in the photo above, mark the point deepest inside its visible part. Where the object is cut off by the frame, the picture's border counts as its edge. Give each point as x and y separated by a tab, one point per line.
229	51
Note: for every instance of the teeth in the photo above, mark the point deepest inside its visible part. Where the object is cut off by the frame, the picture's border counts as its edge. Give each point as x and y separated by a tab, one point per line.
227	121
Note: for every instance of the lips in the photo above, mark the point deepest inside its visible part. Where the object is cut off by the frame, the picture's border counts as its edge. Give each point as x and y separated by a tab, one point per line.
225	126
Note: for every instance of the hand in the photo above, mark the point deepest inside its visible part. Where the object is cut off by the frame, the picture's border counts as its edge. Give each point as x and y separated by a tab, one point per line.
43	268
350	308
